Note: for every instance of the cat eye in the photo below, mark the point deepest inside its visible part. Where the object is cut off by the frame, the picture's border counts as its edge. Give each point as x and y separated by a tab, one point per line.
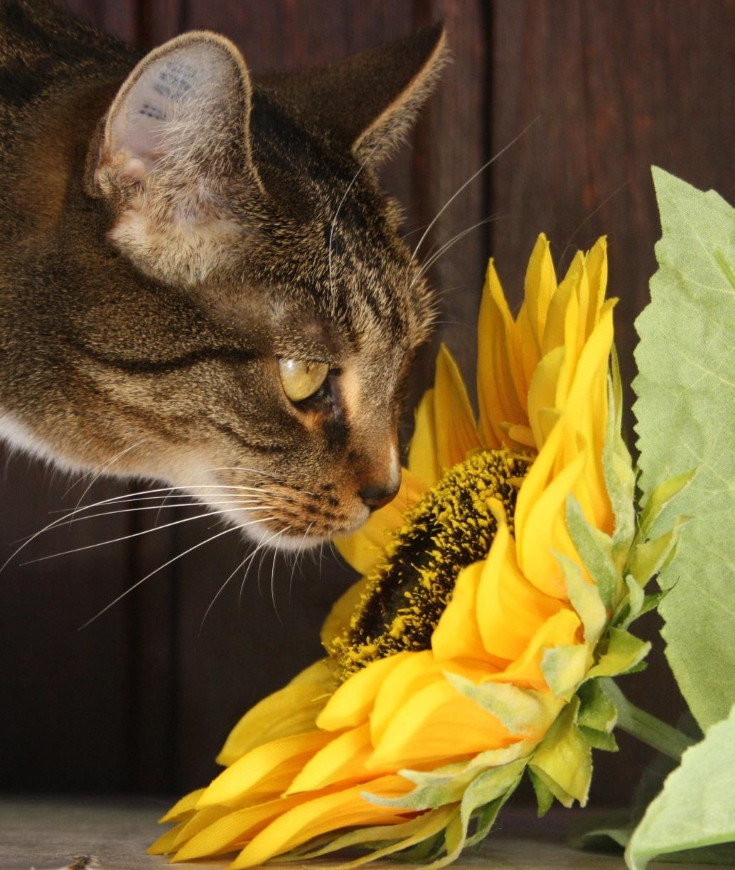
301	379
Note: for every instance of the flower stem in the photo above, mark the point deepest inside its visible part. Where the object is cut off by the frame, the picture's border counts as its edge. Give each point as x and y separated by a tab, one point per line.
645	727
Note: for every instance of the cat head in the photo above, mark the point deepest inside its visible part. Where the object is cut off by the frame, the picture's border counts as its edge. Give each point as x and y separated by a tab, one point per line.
278	308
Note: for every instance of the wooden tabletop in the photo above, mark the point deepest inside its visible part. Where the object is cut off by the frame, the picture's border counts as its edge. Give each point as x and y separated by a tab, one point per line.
112	834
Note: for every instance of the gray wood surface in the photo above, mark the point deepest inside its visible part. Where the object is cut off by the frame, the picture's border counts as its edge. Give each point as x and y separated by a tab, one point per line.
49	834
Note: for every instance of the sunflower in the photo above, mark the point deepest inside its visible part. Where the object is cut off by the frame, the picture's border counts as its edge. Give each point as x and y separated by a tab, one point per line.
496	589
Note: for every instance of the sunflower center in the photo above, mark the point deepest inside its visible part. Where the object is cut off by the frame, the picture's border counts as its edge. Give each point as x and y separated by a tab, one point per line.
450	528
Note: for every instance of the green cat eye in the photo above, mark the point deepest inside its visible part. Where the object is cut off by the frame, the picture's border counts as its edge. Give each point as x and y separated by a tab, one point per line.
301	379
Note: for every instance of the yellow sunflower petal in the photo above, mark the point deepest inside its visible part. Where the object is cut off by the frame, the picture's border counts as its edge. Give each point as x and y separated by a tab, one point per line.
540	519
426	728
164	845
200	820
561	629
340	762
458	633
352	702
542	395
510	608
596	265
423	460
540	287
499	368
183	808
291	710
455	427
232	831
323	813
266	770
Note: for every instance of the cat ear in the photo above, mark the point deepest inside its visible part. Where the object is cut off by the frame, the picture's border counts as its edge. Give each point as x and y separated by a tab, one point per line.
175	136
368	102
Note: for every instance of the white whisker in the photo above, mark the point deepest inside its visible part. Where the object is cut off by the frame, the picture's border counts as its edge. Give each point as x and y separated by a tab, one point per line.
204	515
97	473
467	183
160	568
219	592
432	258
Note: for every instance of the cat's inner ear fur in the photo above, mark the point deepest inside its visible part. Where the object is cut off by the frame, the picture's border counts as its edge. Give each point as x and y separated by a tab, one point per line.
367	103
175	138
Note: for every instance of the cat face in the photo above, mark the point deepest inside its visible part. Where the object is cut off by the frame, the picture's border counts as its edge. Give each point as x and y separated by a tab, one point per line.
280	405
264	311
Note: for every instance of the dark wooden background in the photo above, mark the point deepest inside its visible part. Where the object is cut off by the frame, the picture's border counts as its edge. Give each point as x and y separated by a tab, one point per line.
597	91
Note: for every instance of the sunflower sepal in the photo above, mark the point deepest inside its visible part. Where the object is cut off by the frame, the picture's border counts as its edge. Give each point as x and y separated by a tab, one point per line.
382	840
660	497
650	557
620	652
636	604
564	668
597	717
618	470
563	760
595	549
585	598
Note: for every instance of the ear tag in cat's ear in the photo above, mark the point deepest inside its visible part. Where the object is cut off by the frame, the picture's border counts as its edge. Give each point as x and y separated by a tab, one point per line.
180	117
301	379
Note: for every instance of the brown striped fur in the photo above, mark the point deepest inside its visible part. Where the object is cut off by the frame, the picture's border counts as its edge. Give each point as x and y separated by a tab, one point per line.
171	227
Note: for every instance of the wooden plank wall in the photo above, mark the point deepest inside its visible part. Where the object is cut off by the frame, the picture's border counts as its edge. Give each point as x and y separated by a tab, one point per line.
590	93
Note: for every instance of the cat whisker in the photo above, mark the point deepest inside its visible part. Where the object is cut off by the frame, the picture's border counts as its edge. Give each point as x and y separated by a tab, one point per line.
160	568
151	494
96	473
592	214
239	504
219	592
249	561
467	184
430	260
129	537
273	577
298	553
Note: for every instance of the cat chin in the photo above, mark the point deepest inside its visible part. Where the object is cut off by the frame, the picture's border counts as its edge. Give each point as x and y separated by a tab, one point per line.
264	536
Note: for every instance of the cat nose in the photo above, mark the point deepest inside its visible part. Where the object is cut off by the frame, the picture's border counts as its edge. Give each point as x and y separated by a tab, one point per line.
377	496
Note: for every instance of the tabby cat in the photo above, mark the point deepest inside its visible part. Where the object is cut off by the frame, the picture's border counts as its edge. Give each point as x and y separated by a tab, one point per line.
200	280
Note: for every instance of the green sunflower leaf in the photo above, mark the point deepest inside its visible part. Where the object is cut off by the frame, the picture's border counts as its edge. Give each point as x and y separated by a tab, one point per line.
686	419
695	808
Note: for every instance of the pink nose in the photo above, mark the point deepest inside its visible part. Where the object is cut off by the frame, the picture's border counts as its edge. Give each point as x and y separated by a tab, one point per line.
377	496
